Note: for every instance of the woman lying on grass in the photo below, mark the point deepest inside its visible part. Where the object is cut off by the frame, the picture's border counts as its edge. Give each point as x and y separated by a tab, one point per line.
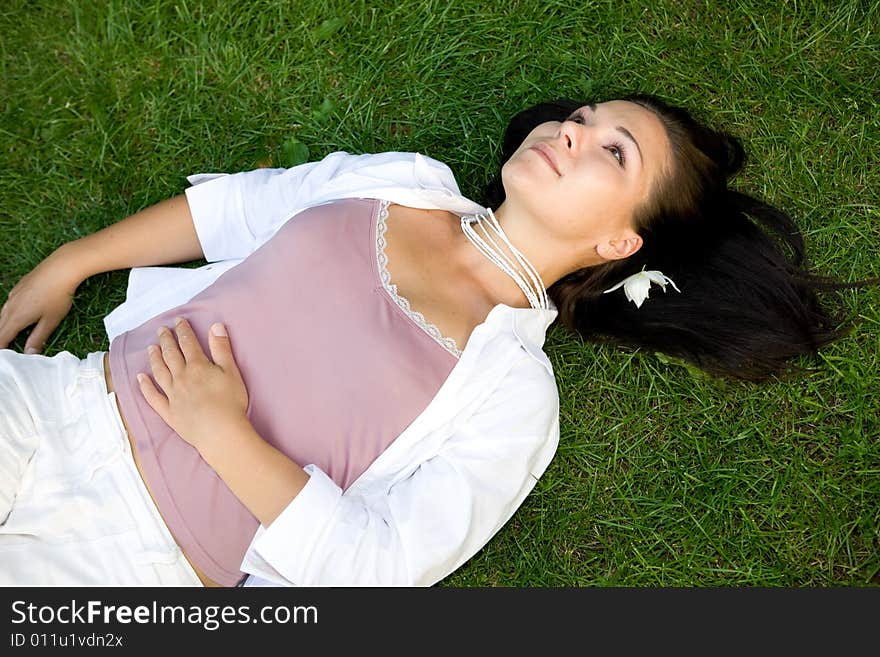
353	391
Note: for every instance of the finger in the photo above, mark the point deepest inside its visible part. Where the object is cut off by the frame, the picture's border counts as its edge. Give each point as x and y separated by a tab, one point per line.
39	336
189	343
159	368
9	328
170	351
221	349
7	332
157	401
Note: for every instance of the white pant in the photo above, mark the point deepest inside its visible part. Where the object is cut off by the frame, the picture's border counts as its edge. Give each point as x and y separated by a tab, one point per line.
73	508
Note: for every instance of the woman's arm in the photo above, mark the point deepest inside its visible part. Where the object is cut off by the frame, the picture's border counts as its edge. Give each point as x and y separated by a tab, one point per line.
264	479
161	234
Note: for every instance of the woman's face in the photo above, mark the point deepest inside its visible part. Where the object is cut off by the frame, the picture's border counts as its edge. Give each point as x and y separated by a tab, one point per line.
584	177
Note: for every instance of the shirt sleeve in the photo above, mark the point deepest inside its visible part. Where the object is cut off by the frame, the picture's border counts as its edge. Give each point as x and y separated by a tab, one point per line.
235	213
430	520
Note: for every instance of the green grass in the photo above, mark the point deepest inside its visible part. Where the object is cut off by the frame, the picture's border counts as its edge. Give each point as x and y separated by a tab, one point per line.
663	477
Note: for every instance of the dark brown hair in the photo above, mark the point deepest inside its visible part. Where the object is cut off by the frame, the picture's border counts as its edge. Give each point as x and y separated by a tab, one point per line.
747	305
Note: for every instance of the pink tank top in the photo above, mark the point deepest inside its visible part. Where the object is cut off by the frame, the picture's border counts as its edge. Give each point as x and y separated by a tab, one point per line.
334	366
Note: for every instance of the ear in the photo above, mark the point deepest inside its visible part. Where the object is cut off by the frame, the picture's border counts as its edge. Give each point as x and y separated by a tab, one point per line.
620	247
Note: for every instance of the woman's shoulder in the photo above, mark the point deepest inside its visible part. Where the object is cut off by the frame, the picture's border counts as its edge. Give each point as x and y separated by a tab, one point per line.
350	174
413	166
412	158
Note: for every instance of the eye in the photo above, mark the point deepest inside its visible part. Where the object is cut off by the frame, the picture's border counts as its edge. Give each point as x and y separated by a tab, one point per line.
616	150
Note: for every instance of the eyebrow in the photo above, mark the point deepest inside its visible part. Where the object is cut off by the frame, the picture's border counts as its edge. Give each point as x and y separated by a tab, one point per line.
626	133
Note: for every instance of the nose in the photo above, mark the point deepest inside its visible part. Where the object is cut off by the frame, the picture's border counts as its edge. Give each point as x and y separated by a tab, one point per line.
572	133
566	133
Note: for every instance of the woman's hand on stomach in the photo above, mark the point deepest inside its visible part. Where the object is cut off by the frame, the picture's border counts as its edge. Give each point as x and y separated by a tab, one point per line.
199	397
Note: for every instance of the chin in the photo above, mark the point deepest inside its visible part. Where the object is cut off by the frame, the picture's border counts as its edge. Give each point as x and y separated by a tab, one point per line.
524	181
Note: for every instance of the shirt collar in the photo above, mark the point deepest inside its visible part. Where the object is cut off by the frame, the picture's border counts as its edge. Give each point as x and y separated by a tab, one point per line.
530	327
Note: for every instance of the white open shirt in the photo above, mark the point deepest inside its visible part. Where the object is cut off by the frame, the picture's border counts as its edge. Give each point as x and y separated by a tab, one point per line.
458	472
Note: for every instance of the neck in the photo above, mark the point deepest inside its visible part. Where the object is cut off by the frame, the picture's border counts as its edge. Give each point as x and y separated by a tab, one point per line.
496	285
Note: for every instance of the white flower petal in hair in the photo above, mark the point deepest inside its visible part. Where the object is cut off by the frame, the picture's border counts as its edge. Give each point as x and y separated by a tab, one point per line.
637	286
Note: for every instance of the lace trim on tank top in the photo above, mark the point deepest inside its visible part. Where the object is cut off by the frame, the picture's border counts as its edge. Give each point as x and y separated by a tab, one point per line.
385	276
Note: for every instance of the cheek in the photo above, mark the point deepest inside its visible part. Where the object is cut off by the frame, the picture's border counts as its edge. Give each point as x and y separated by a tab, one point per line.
594	202
599	185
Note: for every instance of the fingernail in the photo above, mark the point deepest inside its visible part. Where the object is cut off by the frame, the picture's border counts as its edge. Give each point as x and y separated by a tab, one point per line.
31	350
161	330
218	329
178	320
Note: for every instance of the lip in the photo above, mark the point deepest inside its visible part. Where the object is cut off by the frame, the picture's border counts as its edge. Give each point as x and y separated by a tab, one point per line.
547	153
